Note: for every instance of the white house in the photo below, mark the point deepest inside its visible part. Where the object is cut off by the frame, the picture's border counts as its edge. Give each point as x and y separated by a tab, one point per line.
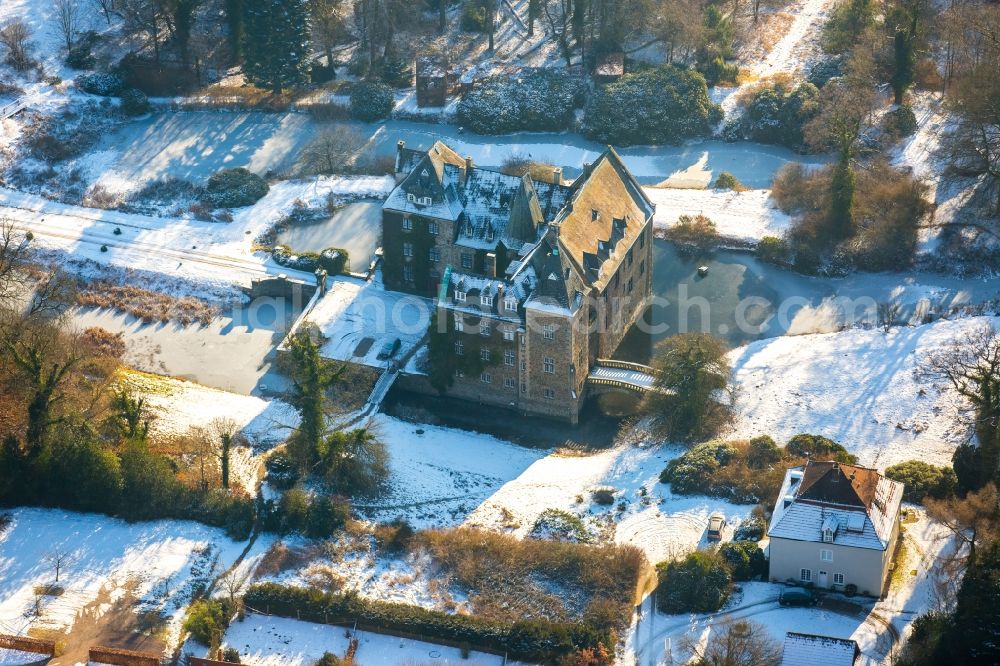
835	525
811	650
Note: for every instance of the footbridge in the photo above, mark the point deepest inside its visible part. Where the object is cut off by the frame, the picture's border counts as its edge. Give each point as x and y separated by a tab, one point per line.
622	375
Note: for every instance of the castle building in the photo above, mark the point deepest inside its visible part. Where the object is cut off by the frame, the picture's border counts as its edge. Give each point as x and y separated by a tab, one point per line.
534	278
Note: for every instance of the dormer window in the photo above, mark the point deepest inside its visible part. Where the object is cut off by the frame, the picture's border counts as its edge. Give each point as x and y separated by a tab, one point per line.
510	303
425	201
489	233
459	296
486	299
828	535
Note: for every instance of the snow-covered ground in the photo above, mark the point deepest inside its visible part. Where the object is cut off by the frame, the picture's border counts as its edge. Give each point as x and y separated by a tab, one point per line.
858	387
355	311
275	641
746	216
159	561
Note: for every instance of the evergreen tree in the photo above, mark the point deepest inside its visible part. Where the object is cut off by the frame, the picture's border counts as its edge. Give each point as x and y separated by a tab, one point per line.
902	75
235	17
311	375
276	43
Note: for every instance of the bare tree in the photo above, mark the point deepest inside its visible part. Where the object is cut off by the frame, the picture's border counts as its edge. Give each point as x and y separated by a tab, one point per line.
327	18
232	584
60	558
973	520
69	17
107	8
889	313
142	17
13	258
738	643
332	151
16	38
200	447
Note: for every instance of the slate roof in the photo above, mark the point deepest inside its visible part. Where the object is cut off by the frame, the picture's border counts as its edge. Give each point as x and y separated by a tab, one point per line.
858	504
813	650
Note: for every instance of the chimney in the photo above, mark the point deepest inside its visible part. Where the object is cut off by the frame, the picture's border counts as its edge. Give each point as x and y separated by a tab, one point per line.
557	175
491	264
467	171
399	160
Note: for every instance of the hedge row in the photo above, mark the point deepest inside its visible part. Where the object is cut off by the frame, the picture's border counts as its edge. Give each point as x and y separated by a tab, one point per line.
531	640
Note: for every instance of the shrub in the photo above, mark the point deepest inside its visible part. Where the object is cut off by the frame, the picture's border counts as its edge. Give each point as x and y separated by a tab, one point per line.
727	181
559	525
475	16
231	654
333	259
655	106
104	84
824	70
921	479
763	452
327	516
538	100
777	113
134	102
745	559
751	529
773	250
604	496
700	583
530	640
371	101
900	122
693	234
233	188
207	621
394	538
81	56
818	447
692	472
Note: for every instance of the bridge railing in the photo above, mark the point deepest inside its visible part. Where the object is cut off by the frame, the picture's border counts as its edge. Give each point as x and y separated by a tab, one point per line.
625	365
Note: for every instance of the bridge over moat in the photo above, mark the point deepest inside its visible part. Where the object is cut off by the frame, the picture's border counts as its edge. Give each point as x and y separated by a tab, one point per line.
622	375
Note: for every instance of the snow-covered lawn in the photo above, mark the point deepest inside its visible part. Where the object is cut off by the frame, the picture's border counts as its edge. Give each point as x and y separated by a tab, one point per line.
275	641
213	252
746	216
858	387
160	561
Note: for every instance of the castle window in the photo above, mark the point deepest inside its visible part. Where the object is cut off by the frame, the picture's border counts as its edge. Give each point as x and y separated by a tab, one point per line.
484	328
642	267
508	383
459	296
460	348
489	233
549	365
435	254
594	214
484	354
508	333
549	394
524	388
407	223
549	331
486	300
425	201
407	249
459	323
642	240
486	378
466	260
432	228
629	257
508	358
510	303
630	285
459	373
412	198
408	273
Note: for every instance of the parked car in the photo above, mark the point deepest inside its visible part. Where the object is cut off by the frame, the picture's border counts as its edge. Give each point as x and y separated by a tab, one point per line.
797	596
716	523
389	349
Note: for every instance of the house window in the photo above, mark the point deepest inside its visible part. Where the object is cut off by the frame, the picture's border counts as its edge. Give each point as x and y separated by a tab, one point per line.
466	260
432	228
484	354
459	323
435	254
486	300
805	575
459	348
549	331
408	273
407	223
510	303
508	358
826	555
838	579
486	378
459	296
549	365
484	328
508	333
549	394
407	249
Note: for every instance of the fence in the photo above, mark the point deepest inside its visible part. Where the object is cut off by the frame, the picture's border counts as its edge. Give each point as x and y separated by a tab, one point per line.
26	644
120	657
200	661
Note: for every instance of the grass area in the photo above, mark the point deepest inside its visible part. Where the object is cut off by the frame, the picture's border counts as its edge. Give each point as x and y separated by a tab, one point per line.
149	306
